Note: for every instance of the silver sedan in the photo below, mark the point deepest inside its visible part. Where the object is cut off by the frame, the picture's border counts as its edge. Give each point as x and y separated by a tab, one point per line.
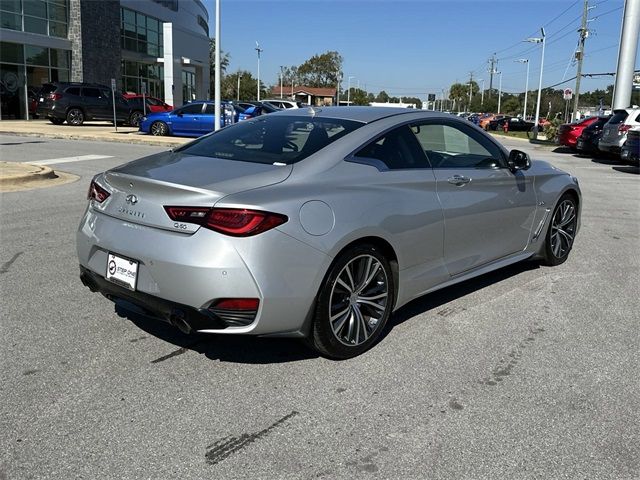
319	223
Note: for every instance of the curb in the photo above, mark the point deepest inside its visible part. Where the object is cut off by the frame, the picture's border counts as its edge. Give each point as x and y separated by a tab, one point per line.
39	173
61	136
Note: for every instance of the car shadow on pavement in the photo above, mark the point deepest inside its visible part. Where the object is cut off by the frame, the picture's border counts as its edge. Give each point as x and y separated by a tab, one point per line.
225	348
438	298
629	169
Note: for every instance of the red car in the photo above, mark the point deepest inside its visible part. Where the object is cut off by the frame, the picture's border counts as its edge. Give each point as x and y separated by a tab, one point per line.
153	105
568	133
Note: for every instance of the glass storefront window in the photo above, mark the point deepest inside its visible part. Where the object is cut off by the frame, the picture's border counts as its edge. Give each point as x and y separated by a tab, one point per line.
134	73
36	55
45	17
11	21
23	71
140	33
11	6
11	52
35	25
59	58
35	8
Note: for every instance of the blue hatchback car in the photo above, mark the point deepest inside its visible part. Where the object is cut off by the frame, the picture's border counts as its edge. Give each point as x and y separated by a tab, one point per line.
191	120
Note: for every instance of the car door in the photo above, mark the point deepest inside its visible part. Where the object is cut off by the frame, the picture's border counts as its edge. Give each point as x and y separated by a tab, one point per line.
185	120
207	123
96	104
488	209
406	190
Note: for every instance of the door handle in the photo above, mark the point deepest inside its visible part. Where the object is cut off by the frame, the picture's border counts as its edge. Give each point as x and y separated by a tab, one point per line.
458	180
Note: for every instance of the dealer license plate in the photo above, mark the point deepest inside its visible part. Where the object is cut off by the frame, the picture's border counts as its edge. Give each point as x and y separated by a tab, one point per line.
122	271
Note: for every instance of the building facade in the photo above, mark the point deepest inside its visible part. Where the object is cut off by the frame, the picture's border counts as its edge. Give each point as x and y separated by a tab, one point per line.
160	46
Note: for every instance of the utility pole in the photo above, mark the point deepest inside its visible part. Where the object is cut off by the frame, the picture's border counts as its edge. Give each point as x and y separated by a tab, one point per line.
584	33
627	54
470	89
492	72
216	98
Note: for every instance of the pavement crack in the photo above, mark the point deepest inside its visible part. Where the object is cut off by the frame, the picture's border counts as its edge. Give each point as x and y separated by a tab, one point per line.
7	265
229	445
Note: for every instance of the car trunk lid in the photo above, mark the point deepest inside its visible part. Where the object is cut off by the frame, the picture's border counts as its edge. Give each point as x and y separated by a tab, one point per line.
140	190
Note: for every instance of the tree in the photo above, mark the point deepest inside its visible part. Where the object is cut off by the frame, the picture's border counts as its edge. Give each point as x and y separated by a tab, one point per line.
320	70
414	100
225	58
382	97
511	106
459	93
248	86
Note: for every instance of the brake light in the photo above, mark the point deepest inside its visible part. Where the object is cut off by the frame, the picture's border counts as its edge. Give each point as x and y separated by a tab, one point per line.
55	96
236	222
623	128
97	193
237	304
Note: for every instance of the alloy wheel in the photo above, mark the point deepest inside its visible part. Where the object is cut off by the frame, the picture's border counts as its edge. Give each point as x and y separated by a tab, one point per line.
75	116
135	118
158	129
358	300
563	229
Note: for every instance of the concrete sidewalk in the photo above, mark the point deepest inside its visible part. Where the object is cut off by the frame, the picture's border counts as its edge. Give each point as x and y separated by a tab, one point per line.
97	131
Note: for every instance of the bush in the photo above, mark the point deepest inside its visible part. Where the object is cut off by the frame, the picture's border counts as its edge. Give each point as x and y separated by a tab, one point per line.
551	130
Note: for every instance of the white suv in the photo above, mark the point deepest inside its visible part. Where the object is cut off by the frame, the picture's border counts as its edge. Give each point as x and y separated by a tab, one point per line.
614	132
284	104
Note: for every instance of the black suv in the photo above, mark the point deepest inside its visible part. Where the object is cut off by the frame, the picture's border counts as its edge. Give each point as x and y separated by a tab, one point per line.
77	102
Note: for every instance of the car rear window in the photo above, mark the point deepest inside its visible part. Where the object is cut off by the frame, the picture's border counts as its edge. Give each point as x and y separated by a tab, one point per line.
271	139
619	116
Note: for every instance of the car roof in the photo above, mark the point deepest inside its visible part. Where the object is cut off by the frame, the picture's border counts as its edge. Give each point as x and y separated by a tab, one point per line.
360	114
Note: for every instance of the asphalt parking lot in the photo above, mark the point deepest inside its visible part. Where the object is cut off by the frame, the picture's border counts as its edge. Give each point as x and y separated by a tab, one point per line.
528	372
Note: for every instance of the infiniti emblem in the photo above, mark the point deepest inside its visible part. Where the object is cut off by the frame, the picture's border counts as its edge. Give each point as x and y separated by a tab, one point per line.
131	199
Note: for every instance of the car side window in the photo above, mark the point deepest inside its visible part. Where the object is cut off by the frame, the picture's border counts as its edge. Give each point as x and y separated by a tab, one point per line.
73	91
447	146
192	109
210	109
91	92
397	149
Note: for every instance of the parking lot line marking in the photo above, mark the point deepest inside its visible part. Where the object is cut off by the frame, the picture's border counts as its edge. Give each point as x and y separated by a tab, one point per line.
80	158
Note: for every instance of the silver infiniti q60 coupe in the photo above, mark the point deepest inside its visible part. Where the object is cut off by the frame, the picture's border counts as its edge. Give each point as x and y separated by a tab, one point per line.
319	222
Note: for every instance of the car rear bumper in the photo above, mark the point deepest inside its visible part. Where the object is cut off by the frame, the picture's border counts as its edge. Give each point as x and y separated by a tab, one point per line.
190	272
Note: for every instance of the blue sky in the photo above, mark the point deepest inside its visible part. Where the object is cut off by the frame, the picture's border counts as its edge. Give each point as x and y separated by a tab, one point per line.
422	46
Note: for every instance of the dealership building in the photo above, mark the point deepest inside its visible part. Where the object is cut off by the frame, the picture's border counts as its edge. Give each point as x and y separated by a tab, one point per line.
161	46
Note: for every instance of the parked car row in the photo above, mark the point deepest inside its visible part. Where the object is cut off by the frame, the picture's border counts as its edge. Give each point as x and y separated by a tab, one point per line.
76	103
198	117
615	135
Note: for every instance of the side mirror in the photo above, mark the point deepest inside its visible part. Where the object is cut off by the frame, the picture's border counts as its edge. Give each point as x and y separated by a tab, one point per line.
518	160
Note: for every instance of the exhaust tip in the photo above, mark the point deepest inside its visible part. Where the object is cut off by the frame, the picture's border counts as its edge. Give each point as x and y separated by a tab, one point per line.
177	319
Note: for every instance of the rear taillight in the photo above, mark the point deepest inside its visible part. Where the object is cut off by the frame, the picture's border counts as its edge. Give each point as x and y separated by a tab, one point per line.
236	222
55	96
623	128
97	193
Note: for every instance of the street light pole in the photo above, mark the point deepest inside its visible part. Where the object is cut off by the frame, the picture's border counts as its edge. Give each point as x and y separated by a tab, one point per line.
482	92
526	88
349	90
537	118
238	90
281	68
259	50
216	101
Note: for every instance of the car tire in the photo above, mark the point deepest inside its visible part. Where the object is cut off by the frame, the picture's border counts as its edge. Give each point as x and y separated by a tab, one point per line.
561	232
75	117
354	303
57	121
159	129
135	118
